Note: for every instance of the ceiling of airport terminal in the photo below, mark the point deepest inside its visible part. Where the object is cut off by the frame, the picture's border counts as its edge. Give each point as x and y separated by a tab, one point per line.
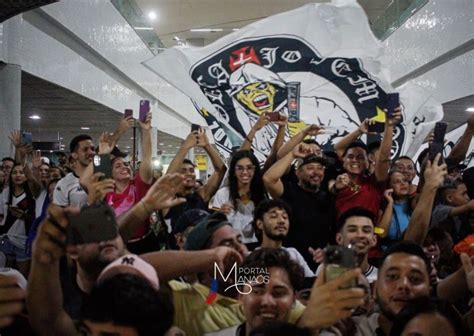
175	18
64	112
455	112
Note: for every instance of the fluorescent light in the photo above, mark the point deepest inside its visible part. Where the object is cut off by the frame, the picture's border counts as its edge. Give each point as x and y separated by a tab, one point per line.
152	15
235	29
35	117
143	28
127	147
176	38
161	144
85	128
470	109
206	30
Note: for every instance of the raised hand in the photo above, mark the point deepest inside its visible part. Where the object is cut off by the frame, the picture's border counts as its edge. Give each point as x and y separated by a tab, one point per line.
11	299
342	181
318	255
125	124
396	118
99	188
202	140
301	151
106	143
328	303
388	195
283	121
36	160
313	130
147	124
162	194
225	257
226	208
15	138
262	121
435	172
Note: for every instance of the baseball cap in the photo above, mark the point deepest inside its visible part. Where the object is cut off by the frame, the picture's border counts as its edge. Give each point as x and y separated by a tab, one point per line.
202	232
189	218
133	264
313	159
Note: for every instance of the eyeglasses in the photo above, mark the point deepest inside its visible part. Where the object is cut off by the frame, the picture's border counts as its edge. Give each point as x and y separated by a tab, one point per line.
244	168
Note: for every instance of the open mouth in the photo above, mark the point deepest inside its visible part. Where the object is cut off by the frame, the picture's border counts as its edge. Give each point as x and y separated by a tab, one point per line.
261	101
268	315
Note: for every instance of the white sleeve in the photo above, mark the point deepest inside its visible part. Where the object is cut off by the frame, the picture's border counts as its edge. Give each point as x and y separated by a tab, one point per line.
60	194
308	273
221	197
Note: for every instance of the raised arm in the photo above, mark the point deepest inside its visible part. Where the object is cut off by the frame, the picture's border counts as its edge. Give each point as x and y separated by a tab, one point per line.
124	124
420	220
387	214
280	138
160	196
173	264
459	150
382	164
188	143
311	130
272	178
262	121
146	169
342	144
213	183
45	298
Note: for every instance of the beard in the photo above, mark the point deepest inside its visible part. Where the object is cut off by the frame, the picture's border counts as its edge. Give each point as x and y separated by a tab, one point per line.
385	310
274	236
309	185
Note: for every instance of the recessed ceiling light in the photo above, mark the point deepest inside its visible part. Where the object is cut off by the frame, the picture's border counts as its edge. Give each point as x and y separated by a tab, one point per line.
143	28
209	30
170	145
161	144
127	147
35	117
176	38
152	15
131	138
470	109
235	29
85	128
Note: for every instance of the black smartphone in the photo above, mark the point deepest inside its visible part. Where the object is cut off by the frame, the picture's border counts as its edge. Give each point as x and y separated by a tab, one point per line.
438	141
195	128
93	224
144	109
273	116
102	164
338	260
377	127
26	138
128	113
393	100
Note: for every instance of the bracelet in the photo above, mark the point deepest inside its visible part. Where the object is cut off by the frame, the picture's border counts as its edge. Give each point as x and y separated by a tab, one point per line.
146	209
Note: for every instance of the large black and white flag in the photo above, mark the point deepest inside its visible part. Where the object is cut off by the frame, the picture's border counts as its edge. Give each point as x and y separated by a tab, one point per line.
326	50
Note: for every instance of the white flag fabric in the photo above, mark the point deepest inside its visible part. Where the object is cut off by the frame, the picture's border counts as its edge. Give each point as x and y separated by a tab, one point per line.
321	59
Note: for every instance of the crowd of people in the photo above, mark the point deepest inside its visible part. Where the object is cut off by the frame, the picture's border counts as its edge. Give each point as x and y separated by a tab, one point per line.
343	242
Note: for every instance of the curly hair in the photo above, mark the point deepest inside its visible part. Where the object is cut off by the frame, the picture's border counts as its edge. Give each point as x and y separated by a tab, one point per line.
257	189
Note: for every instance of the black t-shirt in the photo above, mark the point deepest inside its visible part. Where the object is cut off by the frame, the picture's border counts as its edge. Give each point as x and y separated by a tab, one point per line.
312	221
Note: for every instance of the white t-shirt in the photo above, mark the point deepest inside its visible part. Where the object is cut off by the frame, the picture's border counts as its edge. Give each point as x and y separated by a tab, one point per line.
371	273
241	218
39	202
17	232
68	191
